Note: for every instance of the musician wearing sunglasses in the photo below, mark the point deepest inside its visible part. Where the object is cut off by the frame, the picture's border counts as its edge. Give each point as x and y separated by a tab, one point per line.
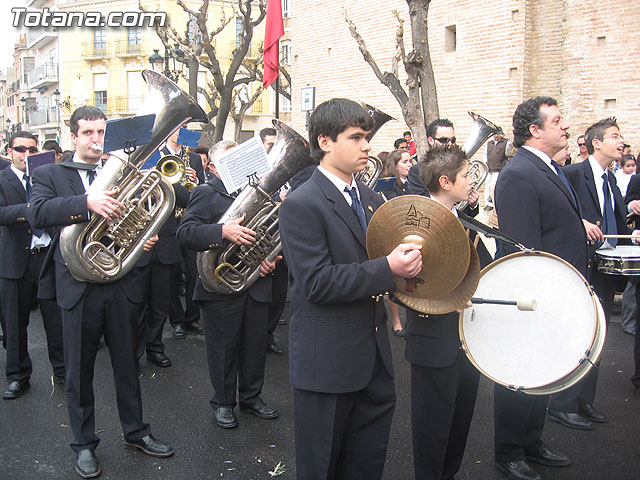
91	309
536	207
603	212
440	132
341	366
24	250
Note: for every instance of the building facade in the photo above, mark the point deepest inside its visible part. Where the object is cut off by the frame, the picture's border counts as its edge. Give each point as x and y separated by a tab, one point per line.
487	57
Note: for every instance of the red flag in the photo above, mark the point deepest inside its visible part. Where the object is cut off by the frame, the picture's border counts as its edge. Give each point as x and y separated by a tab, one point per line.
273	31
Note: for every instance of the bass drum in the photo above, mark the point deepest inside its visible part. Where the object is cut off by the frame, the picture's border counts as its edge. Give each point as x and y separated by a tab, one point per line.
538	352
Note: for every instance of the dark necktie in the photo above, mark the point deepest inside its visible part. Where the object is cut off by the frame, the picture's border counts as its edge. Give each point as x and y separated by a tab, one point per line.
563	179
27	186
91	175
356	206
608	217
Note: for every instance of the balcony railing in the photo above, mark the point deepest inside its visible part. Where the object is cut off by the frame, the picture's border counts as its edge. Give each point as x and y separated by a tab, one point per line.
106	108
128	104
257	107
123	48
91	50
254	49
43	116
42	74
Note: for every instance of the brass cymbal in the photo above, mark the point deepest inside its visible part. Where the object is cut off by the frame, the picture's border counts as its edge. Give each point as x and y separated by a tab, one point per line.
453	300
421	220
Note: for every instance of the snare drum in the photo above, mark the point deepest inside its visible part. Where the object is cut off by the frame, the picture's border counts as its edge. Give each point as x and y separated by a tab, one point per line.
621	260
539	352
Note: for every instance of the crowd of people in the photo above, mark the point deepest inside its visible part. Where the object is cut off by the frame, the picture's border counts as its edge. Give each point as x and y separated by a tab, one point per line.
340	352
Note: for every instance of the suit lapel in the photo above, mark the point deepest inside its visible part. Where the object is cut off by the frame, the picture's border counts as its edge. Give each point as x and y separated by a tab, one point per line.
17	185
590	183
555	179
75	181
340	206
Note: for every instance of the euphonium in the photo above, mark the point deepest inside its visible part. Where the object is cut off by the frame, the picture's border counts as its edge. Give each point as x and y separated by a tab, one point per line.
234	268
480	132
102	250
369	176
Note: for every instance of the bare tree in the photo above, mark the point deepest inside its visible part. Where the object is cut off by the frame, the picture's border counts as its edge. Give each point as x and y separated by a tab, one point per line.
224	89
419	101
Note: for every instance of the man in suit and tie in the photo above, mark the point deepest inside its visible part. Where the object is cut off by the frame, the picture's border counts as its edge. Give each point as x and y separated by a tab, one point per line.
341	369
603	212
183	321
537	207
3	164
24	249
91	310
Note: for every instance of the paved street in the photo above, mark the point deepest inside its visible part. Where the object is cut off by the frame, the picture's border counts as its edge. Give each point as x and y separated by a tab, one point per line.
34	432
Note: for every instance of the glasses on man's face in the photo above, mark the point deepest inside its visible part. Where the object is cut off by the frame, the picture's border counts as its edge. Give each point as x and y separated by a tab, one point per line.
616	137
582	144
444	140
22	149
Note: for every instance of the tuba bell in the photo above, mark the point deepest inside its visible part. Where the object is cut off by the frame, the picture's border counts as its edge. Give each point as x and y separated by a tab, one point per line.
102	250
369	176
234	268
480	132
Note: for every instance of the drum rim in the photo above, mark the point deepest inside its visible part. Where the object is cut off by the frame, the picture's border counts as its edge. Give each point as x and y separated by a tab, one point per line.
594	334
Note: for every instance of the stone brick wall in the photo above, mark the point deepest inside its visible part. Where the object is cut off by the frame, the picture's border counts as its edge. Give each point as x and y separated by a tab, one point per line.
584	53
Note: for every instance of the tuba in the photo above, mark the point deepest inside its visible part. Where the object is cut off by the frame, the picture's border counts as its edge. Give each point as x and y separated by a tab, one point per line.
480	132
234	268
369	176
102	250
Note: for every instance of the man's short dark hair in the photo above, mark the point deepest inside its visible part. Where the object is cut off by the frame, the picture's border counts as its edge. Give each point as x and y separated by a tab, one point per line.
441	160
267	131
52	145
333	117
85	112
438	122
596	132
528	113
406	133
22	134
201	150
66	155
398	142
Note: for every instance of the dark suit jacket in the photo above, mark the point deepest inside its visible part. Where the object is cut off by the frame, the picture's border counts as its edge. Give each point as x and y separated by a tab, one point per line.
535	208
15	231
397	191
4	163
166	248
580	175
58	199
336	325
199	230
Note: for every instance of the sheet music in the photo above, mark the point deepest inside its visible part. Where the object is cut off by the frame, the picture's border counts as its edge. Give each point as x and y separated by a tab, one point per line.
237	164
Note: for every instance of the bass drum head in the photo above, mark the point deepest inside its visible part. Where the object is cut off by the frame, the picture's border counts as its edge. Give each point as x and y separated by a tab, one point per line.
530	350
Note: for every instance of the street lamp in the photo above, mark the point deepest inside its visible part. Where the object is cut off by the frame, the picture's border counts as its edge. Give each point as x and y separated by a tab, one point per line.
175	54
56	98
8	129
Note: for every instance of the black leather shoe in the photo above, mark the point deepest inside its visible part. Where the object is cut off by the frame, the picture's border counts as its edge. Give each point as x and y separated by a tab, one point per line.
150	446
178	332
261	410
571	420
225	417
194	327
87	464
16	389
273	349
159	358
518	470
540	453
590	413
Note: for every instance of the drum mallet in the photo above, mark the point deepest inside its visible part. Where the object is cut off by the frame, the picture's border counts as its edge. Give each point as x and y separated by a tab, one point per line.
526	304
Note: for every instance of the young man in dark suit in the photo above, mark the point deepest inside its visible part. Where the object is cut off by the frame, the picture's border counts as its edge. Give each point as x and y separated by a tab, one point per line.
3	164
341	369
444	383
602	213
23	252
537	207
235	325
90	310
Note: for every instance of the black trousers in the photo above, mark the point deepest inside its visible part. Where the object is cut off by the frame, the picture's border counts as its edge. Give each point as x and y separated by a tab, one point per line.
280	284
17	297
191	313
584	391
103	310
518	420
442	404
154	280
635	379
344	436
236	335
